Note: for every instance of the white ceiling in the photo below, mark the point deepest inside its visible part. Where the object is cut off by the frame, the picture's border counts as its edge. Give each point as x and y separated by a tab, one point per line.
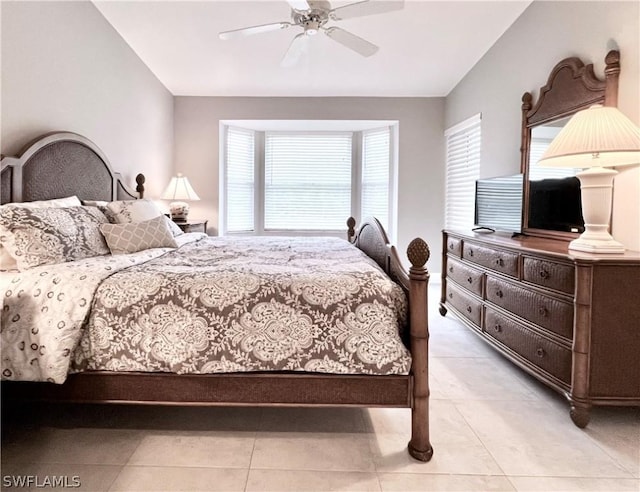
425	49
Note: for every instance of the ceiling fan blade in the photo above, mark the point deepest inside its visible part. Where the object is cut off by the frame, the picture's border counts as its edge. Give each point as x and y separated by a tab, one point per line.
248	31
298	4
298	47
365	7
351	41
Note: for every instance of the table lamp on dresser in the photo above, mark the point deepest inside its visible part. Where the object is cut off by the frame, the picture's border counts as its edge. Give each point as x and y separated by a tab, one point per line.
597	139
179	190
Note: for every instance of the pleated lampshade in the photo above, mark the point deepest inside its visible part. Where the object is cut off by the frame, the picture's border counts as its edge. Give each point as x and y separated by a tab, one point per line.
600	136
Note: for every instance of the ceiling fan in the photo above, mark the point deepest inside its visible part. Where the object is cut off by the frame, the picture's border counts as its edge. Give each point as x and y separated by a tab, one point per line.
312	16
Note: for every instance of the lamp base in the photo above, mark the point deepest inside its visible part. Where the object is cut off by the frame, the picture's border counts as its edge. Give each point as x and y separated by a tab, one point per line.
602	244
596	185
179	211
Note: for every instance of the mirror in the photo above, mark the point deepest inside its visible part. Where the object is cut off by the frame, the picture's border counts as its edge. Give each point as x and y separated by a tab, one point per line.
551	202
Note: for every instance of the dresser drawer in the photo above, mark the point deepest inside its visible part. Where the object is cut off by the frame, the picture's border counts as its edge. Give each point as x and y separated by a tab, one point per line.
501	261
454	246
549	274
552	314
464	275
465	304
543	353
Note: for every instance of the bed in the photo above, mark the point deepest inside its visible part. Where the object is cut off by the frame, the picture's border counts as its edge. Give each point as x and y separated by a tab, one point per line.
62	164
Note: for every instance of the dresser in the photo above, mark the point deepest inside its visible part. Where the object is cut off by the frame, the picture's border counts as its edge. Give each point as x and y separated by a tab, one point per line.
572	320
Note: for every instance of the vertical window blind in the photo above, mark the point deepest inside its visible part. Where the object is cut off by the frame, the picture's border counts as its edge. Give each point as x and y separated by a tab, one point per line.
240	180
375	175
463	169
307	181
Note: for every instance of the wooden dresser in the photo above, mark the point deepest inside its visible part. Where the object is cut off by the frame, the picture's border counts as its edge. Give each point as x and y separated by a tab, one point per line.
570	319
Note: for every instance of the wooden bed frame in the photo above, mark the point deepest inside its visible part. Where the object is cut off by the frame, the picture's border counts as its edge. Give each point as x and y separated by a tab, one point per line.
63	164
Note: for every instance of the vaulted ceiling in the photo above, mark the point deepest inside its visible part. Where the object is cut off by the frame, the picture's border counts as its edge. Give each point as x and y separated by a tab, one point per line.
426	47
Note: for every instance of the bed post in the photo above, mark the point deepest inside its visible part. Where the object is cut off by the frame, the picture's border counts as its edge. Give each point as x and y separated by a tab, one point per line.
140	179
419	446
351	231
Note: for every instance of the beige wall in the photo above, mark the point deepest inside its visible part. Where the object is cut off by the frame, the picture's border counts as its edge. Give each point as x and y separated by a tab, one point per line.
521	61
421	149
64	67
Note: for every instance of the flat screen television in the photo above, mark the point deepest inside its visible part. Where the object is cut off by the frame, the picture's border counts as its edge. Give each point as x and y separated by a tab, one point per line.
555	205
499	204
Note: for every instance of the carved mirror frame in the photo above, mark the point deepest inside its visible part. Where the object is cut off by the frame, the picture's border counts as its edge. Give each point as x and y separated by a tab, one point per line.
571	86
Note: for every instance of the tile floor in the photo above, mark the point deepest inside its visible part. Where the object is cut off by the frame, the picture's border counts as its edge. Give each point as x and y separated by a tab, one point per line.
493	428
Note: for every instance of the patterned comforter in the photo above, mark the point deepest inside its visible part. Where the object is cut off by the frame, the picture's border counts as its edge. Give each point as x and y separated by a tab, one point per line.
233	305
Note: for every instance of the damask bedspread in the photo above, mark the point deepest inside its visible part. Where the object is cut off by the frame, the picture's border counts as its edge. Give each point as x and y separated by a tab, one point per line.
214	305
249	304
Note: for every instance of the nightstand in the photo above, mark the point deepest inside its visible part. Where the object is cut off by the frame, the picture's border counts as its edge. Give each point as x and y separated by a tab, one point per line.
194	225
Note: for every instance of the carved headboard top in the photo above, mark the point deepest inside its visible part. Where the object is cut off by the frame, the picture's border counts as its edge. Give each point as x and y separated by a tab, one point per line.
61	164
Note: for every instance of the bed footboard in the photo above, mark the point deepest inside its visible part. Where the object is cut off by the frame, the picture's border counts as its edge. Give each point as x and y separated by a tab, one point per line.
372	239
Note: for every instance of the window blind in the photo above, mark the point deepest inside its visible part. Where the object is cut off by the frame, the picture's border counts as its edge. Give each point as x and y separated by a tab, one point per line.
463	169
375	175
307	181
537	172
240	165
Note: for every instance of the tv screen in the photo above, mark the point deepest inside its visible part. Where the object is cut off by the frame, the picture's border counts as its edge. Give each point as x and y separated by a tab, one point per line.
499	203
555	205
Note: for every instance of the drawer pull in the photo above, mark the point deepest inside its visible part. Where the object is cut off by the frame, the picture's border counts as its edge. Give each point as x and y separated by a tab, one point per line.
499	294
450	245
499	262
542	311
450	295
540	352
469	309
450	269
470	252
497	328
470	280
544	274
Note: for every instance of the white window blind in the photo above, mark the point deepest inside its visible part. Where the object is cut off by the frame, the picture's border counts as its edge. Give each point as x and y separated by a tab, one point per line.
537	172
240	179
463	169
375	174
307	181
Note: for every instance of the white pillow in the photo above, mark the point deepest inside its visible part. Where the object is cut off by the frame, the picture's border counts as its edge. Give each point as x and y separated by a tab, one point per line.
126	211
8	262
70	201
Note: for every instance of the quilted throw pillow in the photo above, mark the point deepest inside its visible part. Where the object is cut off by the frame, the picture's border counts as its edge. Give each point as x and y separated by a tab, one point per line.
138	236
125	211
45	236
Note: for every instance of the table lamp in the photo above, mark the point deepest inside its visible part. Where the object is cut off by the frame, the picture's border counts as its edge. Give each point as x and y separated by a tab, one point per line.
179	189
596	138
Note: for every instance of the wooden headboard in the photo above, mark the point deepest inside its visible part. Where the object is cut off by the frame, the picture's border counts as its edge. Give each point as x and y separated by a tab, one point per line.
62	164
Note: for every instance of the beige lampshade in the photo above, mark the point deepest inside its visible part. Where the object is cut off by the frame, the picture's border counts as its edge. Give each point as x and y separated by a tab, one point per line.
179	189
600	136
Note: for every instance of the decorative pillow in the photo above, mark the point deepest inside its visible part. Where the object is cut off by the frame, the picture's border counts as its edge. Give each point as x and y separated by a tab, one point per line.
125	211
175	229
137	236
102	206
8	262
44	236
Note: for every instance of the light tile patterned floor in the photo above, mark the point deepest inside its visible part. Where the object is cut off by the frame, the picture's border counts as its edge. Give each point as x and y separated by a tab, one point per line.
493	428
